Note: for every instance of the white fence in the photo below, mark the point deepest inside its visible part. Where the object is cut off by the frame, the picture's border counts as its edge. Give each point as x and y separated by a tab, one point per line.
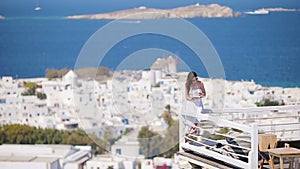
211	123
283	121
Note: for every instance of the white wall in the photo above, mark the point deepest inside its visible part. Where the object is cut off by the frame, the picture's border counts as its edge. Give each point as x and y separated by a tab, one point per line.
71	166
131	150
101	164
27	165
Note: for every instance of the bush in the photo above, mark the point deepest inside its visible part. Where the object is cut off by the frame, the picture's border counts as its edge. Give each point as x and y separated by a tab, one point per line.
267	102
41	96
30	88
23	134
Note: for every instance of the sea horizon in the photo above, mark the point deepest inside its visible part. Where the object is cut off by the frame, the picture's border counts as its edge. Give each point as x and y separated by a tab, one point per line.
262	48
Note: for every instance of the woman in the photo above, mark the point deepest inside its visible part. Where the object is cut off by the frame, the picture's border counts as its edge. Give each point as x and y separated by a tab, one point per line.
194	91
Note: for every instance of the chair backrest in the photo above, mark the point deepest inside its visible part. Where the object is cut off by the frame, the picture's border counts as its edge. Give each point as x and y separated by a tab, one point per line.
266	141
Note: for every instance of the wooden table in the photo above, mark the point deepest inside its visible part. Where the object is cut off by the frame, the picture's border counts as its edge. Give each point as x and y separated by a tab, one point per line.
283	153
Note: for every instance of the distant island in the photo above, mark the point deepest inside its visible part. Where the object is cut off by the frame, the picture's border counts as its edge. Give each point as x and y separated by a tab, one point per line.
281	9
268	10
192	11
1	17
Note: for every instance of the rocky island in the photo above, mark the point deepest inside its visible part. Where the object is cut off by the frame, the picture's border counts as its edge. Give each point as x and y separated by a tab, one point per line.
192	11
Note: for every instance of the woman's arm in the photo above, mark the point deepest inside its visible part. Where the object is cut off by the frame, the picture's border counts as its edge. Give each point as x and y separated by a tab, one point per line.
203	94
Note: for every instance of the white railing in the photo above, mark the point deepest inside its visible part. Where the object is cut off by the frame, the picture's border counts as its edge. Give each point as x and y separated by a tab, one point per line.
201	148
283	121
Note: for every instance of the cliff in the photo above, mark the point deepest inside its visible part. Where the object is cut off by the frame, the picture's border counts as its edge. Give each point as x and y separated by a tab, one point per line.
193	11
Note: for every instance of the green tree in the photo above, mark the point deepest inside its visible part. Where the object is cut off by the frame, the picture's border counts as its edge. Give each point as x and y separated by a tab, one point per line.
152	144
30	88
170	142
41	96
167	116
108	138
149	142
267	102
23	134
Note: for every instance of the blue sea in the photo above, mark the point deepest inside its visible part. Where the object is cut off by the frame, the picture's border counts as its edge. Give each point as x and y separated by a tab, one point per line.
263	48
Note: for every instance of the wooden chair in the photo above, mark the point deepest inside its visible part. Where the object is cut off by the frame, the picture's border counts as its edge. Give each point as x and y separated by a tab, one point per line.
265	142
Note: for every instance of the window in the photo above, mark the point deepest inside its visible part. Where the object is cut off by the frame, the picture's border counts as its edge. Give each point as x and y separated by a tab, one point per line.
140	151
2	101
118	151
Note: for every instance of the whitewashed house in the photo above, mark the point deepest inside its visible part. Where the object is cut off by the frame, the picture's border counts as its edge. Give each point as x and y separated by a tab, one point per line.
128	147
43	156
104	161
70	78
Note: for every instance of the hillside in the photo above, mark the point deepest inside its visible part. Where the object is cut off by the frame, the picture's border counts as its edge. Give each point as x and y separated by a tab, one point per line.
192	11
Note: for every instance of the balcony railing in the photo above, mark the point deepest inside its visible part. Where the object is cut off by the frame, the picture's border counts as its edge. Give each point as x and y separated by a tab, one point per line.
238	146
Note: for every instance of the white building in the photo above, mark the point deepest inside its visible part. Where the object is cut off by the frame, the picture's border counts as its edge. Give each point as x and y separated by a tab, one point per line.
162	67
147	164
43	156
128	147
160	162
71	78
105	161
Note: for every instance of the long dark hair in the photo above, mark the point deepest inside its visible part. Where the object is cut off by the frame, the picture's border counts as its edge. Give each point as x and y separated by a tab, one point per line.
190	78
